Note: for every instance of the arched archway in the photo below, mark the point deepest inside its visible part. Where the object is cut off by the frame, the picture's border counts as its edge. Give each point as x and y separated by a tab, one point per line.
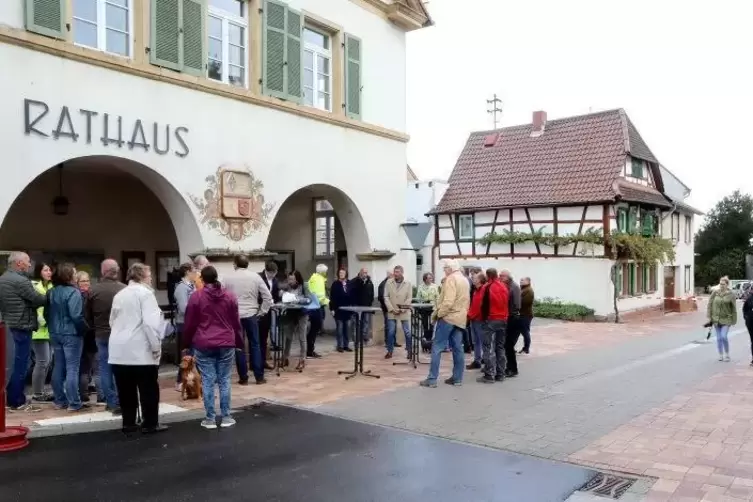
318	224
118	208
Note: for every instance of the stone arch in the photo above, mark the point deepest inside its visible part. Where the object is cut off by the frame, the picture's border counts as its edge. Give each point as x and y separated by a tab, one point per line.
184	223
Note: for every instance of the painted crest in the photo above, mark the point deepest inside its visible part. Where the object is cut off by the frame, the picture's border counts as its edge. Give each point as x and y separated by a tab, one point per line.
233	203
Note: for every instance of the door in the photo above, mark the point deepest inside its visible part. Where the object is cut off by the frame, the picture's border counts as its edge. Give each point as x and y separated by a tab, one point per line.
669	282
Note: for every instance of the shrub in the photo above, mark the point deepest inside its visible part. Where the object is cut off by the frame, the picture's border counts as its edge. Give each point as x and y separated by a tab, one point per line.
551	308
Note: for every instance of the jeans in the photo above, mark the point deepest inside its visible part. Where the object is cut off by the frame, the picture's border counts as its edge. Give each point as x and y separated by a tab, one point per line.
494	348
294	327
315	325
22	358
41	350
749	325
138	385
447	333
215	366
524	325
106	379
65	373
477	332
392	335
251	329
343	336
722	341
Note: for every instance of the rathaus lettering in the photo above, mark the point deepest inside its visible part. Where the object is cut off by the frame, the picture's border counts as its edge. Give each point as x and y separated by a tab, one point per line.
88	126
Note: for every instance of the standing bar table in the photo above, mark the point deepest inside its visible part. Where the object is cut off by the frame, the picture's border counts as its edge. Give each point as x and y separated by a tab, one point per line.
418	312
359	312
278	335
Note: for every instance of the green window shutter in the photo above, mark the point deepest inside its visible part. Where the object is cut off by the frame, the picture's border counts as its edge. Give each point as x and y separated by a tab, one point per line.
294	56
631	279
46	17
646	275
631	222
648	224
273	79
193	22
352	76
165	47
621	220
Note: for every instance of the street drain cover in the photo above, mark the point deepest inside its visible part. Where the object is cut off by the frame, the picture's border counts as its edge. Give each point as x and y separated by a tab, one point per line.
608	485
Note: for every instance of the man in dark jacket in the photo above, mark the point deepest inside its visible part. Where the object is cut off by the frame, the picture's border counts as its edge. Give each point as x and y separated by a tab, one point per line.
19	302
380	298
97	314
269	276
748	316
363	296
513	323
526	313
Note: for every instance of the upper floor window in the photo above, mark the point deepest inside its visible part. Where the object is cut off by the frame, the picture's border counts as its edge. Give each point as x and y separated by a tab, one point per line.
103	25
675	226
637	167
465	226
688	230
317	69
227	29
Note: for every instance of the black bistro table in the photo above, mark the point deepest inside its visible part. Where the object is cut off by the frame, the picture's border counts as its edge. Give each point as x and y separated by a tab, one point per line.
278	336
359	312
419	312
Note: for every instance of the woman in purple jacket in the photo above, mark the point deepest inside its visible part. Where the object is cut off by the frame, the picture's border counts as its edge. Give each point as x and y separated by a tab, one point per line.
212	329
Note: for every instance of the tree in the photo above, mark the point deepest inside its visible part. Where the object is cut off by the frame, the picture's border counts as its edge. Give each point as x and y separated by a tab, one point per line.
724	240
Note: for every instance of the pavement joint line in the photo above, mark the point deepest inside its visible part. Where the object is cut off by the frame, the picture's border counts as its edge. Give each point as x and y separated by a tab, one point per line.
611	372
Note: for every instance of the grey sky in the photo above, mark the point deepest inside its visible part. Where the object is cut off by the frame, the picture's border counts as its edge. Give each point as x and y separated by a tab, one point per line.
683	71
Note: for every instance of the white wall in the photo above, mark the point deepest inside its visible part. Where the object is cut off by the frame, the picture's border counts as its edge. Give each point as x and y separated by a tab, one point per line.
684	252
421	197
383	54
285	152
580	280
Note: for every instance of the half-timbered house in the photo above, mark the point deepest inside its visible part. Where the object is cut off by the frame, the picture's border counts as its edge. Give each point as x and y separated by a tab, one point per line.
578	204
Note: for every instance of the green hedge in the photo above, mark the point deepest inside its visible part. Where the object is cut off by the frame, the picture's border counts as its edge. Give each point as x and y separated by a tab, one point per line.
550	308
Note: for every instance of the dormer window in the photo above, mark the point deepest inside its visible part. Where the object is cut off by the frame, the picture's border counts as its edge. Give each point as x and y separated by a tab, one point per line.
638	169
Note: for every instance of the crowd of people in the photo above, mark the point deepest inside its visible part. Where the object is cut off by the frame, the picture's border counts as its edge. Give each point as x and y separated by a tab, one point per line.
109	335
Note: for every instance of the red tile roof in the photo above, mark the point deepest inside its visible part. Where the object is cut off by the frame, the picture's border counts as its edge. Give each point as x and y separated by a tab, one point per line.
576	160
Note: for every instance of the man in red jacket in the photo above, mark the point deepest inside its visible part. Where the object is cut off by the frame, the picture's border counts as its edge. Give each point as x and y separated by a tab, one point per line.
494	314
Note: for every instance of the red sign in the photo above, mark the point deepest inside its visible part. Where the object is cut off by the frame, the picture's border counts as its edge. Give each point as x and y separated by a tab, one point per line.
244	208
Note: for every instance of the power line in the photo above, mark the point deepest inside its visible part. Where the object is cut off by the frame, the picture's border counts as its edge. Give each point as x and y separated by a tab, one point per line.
495	109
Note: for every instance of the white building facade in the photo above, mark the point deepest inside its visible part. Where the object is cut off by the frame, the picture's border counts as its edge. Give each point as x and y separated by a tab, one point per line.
174	128
553	194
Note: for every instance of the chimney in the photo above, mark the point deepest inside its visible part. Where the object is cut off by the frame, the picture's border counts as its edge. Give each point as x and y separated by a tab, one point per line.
490	140
539	124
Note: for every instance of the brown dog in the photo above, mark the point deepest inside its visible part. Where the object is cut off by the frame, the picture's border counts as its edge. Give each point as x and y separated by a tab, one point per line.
190	378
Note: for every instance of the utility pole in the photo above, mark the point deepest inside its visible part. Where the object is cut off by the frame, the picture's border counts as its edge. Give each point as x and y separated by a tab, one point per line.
494	108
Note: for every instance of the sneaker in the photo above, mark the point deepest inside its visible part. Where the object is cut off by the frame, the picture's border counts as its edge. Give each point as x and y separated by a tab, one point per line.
28	408
485	379
428	383
523	351
721	358
452	381
209	424
397	344
60	407
727	359
511	374
83	407
475	365
388	355
227	422
43	398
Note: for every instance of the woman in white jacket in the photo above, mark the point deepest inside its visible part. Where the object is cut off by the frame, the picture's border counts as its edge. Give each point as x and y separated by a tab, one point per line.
135	348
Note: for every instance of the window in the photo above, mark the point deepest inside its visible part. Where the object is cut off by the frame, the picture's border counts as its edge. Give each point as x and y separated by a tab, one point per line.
317	69
465	226
647	224
675	226
324	229
637	169
227	39
686	283
688	230
103	25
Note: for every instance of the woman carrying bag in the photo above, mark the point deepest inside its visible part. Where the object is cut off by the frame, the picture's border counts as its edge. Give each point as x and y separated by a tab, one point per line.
722	313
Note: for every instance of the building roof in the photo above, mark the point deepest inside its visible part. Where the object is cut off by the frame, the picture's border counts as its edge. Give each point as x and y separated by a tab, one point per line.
576	160
417	233
685	208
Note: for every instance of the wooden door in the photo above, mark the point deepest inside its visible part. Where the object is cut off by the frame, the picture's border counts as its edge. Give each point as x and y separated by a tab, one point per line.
669	282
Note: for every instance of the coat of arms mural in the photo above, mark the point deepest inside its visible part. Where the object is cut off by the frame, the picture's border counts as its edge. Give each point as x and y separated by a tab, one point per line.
233	203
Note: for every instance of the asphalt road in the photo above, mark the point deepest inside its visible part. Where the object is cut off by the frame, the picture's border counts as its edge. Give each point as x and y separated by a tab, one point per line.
278	454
